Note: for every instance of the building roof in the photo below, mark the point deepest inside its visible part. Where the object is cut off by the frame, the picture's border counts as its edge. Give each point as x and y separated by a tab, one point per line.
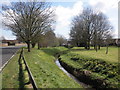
6	41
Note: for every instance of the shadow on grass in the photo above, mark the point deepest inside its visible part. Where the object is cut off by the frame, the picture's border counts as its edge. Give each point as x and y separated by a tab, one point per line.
51	51
54	51
21	79
82	50
57	52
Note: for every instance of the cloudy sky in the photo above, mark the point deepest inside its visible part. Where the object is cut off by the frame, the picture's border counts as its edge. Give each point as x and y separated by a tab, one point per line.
65	10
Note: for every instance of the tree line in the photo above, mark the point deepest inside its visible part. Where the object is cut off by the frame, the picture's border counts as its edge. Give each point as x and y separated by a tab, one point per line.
90	28
32	23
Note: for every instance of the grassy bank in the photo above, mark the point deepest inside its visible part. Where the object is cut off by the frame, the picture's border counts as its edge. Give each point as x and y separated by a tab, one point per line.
112	55
45	72
100	65
48	75
10	74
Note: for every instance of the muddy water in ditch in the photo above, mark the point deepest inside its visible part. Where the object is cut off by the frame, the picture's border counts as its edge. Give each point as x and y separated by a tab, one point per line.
71	76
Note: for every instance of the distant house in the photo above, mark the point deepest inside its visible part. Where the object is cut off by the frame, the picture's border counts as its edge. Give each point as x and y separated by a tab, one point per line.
10	42
115	42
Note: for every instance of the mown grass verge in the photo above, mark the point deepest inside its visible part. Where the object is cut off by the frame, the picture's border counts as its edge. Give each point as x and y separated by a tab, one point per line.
97	72
45	72
112	55
23	73
10	74
14	75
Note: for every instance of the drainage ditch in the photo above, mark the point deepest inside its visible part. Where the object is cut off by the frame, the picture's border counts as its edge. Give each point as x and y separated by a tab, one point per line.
71	76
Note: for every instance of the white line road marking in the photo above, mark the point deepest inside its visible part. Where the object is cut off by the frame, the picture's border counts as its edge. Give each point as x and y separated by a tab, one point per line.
7	61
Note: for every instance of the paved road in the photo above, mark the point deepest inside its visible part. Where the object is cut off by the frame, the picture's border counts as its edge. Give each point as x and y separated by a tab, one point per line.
7	53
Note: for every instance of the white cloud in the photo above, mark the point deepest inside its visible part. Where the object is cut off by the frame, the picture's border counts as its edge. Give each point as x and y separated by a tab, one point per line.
5	2
3	29
115	34
114	23
64	16
104	4
77	8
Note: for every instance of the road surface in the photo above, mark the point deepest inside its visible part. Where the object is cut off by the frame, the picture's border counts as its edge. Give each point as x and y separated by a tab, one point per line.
7	53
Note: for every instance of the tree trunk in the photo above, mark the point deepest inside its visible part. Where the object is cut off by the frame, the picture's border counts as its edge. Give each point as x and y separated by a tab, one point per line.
28	45
77	44
88	44
94	46
38	45
85	46
107	49
33	45
88	47
98	47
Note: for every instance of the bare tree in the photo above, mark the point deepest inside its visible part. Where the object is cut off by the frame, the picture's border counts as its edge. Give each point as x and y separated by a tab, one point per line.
28	19
48	39
90	28
81	30
61	40
108	40
51	38
77	32
102	28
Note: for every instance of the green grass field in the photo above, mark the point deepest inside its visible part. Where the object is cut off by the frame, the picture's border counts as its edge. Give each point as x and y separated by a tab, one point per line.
10	74
45	72
102	65
112	55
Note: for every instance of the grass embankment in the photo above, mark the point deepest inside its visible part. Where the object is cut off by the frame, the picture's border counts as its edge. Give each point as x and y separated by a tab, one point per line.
10	74
101	66
45	72
14	75
112	55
